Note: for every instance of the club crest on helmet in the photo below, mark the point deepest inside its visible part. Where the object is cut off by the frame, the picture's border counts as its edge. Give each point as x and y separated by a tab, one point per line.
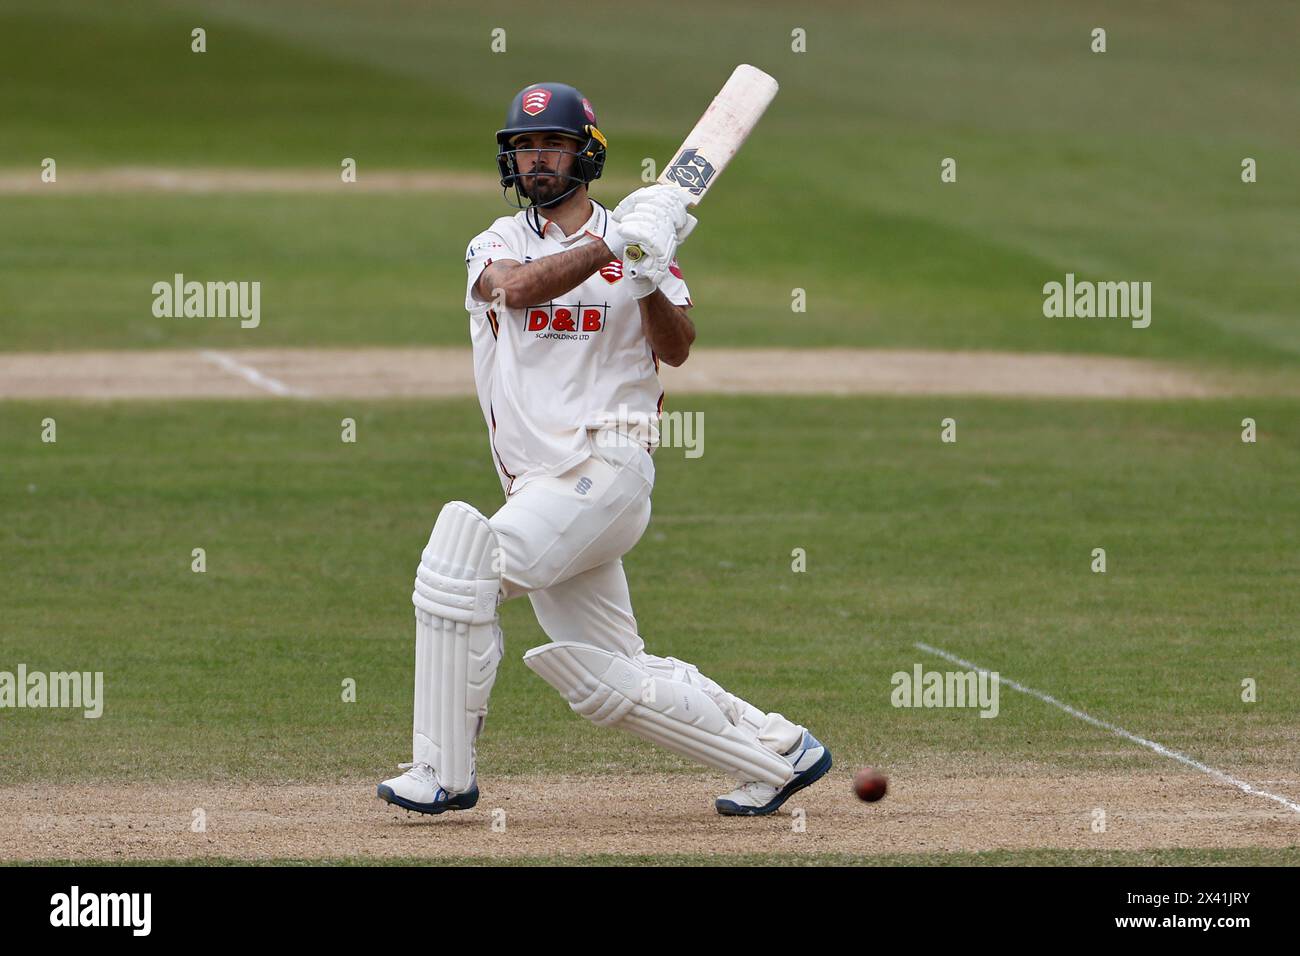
535	101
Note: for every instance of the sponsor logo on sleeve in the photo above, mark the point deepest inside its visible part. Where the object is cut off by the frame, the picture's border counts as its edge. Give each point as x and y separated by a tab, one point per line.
480	246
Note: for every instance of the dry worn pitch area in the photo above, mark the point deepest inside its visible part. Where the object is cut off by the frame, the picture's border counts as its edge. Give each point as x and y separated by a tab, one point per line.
642	814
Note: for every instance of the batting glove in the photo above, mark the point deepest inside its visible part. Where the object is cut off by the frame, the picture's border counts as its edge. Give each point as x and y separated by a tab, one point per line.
663	200
658	245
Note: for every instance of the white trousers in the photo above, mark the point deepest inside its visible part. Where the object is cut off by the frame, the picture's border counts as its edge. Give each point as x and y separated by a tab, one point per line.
562	543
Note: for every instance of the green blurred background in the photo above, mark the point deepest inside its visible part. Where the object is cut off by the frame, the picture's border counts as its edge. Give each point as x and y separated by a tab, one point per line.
1122	166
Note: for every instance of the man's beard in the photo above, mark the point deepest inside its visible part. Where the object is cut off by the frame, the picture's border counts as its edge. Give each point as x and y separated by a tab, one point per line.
544	187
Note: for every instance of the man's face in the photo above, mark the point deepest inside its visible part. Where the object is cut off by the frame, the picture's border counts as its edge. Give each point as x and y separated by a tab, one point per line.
543	160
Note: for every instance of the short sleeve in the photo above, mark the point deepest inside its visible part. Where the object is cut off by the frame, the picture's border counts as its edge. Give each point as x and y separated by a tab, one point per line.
487	247
674	286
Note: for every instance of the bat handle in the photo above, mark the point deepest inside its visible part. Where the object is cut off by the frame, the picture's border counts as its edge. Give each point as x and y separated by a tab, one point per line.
633	253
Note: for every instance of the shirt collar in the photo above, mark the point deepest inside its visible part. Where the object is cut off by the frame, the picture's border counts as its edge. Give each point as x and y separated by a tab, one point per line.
594	226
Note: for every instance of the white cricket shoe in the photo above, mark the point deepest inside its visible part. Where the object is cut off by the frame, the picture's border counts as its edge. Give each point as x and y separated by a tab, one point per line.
418	789
810	759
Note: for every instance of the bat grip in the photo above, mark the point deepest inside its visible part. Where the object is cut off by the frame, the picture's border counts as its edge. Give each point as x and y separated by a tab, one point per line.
633	253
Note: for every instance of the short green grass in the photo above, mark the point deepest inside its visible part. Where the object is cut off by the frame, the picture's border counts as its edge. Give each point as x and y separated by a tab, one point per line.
1117	166
980	547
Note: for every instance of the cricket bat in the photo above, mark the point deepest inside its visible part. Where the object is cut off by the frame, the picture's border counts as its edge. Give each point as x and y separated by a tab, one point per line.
716	138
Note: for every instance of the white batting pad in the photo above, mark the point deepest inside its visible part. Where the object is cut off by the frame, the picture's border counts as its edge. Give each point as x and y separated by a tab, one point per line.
614	690
457	641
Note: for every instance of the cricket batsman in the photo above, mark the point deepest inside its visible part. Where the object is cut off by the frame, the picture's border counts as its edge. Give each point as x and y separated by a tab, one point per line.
567	345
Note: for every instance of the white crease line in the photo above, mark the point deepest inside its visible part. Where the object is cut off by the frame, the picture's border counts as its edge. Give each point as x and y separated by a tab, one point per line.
1118	731
250	374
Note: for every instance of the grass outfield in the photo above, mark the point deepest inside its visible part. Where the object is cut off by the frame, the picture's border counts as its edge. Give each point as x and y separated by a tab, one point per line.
1115	166
981	548
1243	857
389	270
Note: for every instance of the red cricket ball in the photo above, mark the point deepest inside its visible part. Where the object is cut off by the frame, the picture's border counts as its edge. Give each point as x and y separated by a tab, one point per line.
870	785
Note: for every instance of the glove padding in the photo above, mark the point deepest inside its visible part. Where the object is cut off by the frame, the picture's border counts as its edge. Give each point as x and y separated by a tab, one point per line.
648	228
667	201
658	246
615	239
649	274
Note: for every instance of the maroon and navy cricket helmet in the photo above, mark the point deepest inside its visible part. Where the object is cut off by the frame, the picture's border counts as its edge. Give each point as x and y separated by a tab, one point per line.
552	108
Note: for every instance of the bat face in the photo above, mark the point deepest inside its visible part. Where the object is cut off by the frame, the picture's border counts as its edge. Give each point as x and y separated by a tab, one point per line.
720	132
690	171
716	137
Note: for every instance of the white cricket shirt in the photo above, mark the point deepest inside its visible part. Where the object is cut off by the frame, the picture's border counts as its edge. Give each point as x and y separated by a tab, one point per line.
547	372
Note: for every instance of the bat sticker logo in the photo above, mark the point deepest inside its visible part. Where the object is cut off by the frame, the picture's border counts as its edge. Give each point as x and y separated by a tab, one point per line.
691	171
535	101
